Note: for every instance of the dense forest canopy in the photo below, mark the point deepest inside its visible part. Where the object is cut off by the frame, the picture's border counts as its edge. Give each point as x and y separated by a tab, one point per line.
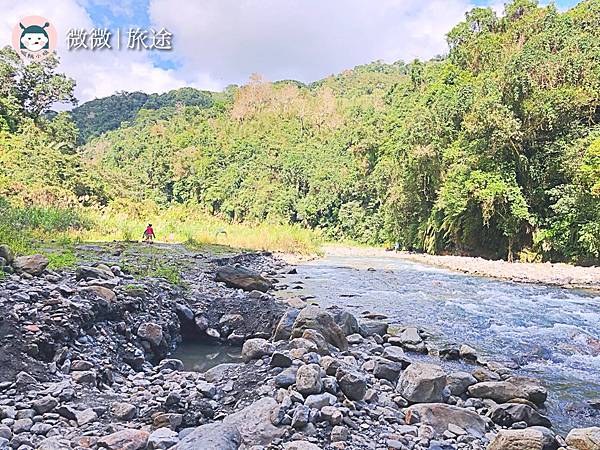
100	115
492	150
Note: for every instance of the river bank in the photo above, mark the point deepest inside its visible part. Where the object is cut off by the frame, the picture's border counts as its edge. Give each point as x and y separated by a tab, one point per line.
87	363
552	274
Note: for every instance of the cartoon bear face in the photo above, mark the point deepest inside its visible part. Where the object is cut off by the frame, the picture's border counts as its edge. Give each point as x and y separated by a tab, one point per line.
34	38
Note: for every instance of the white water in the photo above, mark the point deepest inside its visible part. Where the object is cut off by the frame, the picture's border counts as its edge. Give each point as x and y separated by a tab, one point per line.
550	333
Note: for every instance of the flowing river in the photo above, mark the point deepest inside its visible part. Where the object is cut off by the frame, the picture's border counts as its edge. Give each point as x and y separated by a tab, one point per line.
551	334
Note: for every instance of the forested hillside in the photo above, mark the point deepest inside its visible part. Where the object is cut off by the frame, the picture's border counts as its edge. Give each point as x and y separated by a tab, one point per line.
492	150
100	115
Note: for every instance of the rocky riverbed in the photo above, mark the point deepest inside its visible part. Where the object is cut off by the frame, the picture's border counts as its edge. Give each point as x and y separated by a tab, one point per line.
85	363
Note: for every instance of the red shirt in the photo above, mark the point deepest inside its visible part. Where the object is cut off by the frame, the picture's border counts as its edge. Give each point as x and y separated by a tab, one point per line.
149	231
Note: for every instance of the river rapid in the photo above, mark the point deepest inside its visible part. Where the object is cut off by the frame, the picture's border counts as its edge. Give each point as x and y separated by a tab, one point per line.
549	333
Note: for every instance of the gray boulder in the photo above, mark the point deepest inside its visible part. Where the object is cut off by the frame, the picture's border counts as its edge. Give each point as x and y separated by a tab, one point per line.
123	411
286	378
242	278
308	379
422	383
88	273
584	438
459	382
396	354
283	330
212	436
318	339
440	416
533	438
410	336
300	445
352	383
499	391
254	423
388	370
509	413
536	393
162	438
151	332
317	401
346	321
32	264
7	254
315	318
371	327
256	348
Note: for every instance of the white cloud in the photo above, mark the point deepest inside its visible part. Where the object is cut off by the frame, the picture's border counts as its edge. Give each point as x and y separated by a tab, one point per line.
218	42
305	39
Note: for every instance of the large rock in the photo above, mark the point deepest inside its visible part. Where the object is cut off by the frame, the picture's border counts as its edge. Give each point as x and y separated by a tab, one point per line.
509	413
33	264
88	273
86	416
300	417
254	423
533	438
308	379
315	318
256	348
283	330
123	410
242	278
300	445
222	372
388	370
346	321
7	254
396	354
422	383
459	382
439	416
410	336
128	439
52	443
318	339
352	383
286	378
102	292
45	404
584	438
532	388
151	332
317	401
162	438
499	391
467	352
212	436
371	327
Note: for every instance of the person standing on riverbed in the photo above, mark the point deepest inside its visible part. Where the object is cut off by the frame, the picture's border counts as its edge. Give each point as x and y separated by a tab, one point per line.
149	233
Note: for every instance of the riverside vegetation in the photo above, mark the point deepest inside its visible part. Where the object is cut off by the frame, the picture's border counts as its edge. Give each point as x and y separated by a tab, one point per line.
492	150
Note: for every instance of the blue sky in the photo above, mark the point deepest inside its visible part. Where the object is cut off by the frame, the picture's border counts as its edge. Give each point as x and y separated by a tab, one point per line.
220	42
105	13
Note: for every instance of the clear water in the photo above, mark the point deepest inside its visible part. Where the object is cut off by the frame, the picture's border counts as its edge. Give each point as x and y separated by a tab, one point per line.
552	334
201	356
